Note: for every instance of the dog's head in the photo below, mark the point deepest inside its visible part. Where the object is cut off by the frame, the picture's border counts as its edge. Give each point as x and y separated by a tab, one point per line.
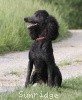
36	23
40	24
38	19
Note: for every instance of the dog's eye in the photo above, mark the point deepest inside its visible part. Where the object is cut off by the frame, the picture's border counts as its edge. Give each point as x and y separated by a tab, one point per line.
37	15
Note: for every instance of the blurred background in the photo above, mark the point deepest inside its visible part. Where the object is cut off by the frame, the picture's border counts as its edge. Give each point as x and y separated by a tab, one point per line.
13	32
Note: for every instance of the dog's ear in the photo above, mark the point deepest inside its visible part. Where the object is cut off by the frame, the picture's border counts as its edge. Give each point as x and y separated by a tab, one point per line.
52	28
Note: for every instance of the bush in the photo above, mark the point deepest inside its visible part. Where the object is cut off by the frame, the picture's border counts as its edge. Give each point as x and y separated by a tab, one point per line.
75	16
70	10
13	33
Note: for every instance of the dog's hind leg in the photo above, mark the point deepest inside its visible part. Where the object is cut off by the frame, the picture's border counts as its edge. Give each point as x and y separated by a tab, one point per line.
50	75
57	77
54	74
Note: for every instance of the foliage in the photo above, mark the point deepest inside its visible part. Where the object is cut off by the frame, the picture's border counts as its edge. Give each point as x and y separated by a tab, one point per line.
13	33
70	10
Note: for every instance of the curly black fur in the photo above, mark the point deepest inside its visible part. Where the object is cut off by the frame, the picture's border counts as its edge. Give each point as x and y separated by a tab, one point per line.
41	52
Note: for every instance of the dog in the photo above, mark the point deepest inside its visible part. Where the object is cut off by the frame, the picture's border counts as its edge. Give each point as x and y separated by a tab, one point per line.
43	28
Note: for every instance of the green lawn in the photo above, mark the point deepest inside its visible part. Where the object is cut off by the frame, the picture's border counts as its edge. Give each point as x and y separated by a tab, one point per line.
71	90
13	32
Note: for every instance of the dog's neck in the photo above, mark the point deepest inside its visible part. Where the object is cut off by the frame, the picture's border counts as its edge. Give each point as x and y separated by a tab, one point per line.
40	38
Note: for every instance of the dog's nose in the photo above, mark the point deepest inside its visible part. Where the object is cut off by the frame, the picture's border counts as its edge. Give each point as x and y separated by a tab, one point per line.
26	19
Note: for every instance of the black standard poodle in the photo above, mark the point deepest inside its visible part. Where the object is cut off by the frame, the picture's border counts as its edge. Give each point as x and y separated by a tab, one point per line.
43	28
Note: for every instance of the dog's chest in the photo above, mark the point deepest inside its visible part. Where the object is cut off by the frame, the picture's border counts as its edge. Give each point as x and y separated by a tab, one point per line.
39	50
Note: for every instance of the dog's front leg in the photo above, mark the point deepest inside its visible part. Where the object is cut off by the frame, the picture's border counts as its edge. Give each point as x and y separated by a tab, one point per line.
29	70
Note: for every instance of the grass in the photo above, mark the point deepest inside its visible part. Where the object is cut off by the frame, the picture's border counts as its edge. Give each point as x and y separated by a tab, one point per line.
13	33
65	63
78	60
17	73
71	90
